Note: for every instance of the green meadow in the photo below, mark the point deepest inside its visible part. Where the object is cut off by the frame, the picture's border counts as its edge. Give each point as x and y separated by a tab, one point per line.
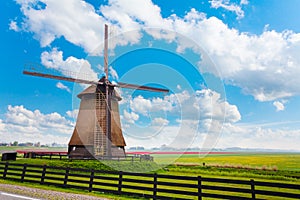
267	167
281	161
258	166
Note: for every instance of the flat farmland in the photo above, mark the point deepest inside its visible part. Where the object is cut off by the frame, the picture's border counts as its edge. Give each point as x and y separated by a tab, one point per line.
258	166
282	161
266	167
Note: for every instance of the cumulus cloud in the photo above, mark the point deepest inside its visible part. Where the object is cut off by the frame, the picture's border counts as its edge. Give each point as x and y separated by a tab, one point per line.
259	64
212	106
70	67
77	21
241	58
168	103
141	105
130	117
23	125
279	105
204	110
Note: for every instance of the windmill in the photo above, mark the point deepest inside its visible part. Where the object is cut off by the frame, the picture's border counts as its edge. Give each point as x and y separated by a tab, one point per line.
95	133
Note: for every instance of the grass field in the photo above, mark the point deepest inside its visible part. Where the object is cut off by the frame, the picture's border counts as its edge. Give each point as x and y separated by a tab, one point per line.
267	166
283	161
270	167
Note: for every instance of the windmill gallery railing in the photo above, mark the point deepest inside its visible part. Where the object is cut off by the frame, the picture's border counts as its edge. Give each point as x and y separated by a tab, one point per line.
156	186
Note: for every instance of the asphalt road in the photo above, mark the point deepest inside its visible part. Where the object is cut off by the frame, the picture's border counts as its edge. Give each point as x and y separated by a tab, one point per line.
9	196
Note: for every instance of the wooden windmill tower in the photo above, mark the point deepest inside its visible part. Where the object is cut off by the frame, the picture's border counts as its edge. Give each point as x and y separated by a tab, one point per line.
98	130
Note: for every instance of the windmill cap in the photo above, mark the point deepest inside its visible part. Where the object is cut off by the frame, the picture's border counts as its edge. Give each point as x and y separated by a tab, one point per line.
91	90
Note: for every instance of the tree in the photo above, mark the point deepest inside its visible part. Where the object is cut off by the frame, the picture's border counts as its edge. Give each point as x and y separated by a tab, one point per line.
15	143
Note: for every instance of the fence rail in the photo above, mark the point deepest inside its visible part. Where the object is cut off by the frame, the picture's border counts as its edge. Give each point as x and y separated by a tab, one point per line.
156	186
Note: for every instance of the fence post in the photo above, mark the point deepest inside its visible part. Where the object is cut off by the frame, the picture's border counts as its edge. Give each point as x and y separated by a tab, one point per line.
199	188
91	180
252	188
155	186
43	174
66	177
120	182
5	170
23	173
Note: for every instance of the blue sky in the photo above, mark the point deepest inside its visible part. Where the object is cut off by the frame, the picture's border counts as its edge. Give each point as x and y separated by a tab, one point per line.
232	68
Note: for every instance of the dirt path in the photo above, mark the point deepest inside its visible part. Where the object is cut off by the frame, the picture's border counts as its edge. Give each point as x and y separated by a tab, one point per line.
45	194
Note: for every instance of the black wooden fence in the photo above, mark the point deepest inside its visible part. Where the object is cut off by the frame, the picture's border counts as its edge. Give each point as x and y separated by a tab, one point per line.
156	186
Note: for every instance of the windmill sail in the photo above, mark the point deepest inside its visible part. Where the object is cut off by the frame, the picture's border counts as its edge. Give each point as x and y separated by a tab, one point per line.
63	78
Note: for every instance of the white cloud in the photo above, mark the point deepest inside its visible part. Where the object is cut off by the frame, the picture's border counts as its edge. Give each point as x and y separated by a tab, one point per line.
129	14
113	73
13	26
230	6
72	113
130	117
159	121
168	103
77	21
211	106
270	57
259	64
244	2
241	58
279	105
23	125
70	67
203	112
2	125
140	105
63	87
204	104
